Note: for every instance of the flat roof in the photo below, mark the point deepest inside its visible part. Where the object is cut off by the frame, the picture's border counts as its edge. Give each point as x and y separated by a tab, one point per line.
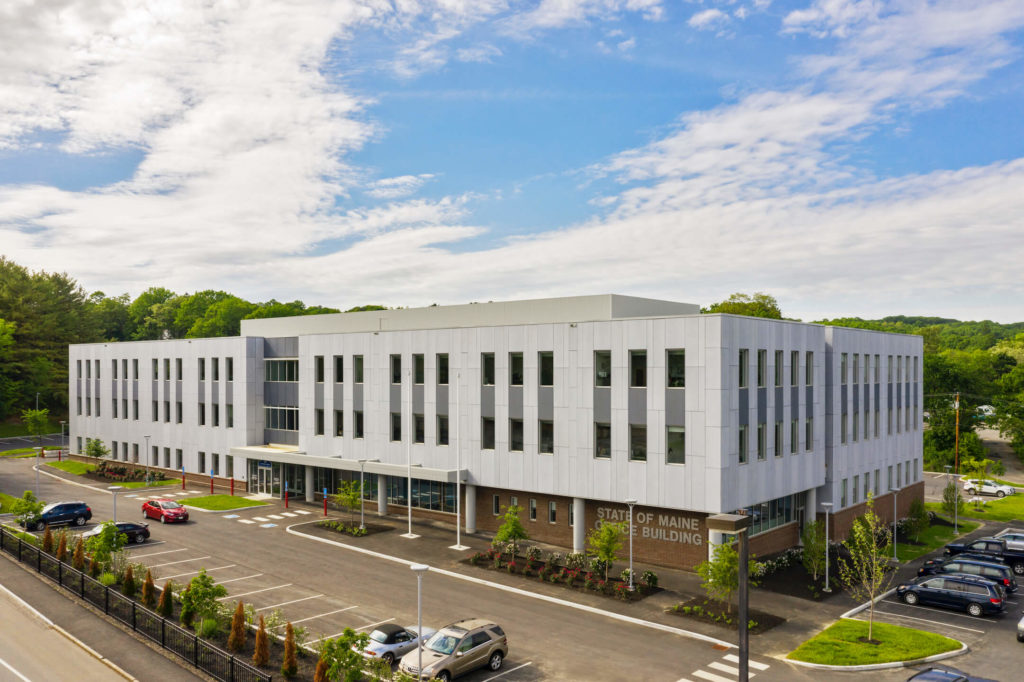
569	309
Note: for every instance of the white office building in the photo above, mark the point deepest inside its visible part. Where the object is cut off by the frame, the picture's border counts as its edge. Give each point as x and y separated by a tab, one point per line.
565	407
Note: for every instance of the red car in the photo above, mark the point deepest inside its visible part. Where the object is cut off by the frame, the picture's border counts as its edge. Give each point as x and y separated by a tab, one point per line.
165	510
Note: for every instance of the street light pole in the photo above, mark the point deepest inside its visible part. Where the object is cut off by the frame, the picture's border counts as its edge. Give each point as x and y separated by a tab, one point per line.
895	560
630	502
828	508
114	490
408	454
458	546
419	570
737	524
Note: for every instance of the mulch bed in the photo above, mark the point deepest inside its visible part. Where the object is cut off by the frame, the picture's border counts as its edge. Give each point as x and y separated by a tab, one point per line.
795	581
371	528
716	613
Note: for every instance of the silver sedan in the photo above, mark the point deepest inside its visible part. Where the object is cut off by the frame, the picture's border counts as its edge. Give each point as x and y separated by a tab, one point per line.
390	642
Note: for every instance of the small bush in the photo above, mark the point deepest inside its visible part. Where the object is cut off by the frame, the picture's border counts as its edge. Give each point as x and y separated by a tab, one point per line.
533	553
165	607
78	558
236	641
128	582
576	561
320	675
188	612
625	575
290	665
62	548
148	591
95	567
597	565
477	558
208	628
261	655
48	540
108	579
649	579
555	559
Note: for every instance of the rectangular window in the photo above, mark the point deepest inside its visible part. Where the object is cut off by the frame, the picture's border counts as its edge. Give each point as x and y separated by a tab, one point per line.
572	518
878	367
281	418
899	367
878	481
135	452
339	369
496	505
396	369
124	368
915	368
809	434
842	499
676	369
552	512
202	369
113	369
135	409
339	423
230	368
156	369
742	444
856	425
229	463
778	367
515	369
177	369
215	366
877	420
842	428
515	435
167	369
442	429
487	433
167	410
546	439
156	410
794	436
359	424
487	369
533	509
899	474
675	441
79	401
638	368
230	415
97	364
318	368
637	443
744	362
216	414
602	368
856	485
442	369
762	367
78	364
899	416
417	369
778	440
889	424
202	414
546	360
419	429
202	462
357	368
762	438
177	459
124	409
809	369
602	441
396	426
319	421
135	369
890	477
842	369
97	402
177	412
856	367
167	458
867	368
889	373
794	368
113	408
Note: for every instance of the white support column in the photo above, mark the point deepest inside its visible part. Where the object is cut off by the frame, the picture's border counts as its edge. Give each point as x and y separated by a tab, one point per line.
715	538
309	483
810	510
470	508
382	495
579	524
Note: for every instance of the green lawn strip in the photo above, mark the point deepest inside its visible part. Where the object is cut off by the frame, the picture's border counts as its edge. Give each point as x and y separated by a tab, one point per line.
19	451
1009	508
838	644
142	484
221	502
934	537
5	502
72	467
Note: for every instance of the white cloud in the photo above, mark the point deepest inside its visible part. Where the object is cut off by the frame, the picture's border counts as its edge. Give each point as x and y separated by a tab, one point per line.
552	14
483	53
400	186
708	19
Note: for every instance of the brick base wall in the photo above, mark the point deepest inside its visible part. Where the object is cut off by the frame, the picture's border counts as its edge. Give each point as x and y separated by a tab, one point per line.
841	522
776	540
220	483
558	533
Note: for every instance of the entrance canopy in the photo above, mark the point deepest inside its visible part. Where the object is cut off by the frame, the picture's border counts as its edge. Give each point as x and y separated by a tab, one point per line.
287	454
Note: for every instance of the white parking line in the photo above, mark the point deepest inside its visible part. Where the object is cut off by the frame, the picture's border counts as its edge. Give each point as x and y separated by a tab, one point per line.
372	625
711	676
275	517
287	514
321	615
733	658
246	594
285	603
260	519
255	575
182	561
150	543
925	620
13	670
245	521
973	619
511	670
302	511
166	551
722	667
217	568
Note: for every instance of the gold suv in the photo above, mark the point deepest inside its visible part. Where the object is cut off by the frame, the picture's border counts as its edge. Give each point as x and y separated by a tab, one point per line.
457	649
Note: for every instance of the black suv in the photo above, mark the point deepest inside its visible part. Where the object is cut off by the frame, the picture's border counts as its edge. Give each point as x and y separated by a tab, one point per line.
991	570
975	595
61	512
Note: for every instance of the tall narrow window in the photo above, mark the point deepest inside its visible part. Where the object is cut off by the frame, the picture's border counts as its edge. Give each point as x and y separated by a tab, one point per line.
552	512
229	413
602	368
602	440
638	368
878	367
216	368
230	369
744	361
809	434
487	369
762	441
167	369
533	509
202	414
135	369
124	368
339	369
318	364
216	414
202	369
177	412
842	499
177	369
794	434
496	505
515	369
842	368
339	423
515	435
113	369
778	367
417	369
675	445
762	367
794	368
547	368
319	421
156	369
742	444
546	439
357	368
442	429
419	429
487	433
396	426
358	414
442	369
809	369
778	439
396	369
676	370
638	443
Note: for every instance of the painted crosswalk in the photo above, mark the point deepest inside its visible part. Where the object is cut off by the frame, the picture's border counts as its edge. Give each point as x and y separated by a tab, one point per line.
725	670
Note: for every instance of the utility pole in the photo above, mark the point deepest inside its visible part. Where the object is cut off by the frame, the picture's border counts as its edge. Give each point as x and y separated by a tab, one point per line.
956	445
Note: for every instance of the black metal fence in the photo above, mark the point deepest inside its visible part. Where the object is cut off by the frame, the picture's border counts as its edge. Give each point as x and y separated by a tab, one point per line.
210	659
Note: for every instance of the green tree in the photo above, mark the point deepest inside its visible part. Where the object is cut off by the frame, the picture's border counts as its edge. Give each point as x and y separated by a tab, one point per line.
36	421
290	665
26	509
758	305
511	529
112	316
917	520
152	314
106	542
94	447
814	541
349	497
720	576
605	541
200	600
222	318
952	499
344	662
192	308
865	573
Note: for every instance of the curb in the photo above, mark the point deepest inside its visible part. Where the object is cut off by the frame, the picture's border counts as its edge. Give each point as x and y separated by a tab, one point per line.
74	640
94	487
221	511
881	666
857	609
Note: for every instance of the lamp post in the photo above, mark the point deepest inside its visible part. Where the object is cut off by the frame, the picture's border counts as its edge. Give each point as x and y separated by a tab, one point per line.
737	524
894	559
408	455
630	502
458	546
114	489
419	570
362	462
956	502
828	509
61	440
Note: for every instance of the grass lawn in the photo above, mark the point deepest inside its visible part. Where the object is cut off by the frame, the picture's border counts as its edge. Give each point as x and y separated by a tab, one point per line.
155	484
5	502
72	467
221	502
19	451
839	645
1009	508
934	537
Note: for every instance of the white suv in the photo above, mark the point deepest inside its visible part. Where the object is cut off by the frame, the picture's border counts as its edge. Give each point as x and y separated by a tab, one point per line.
976	486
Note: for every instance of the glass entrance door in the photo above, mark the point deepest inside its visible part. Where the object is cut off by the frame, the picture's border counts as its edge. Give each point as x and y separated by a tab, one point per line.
263	481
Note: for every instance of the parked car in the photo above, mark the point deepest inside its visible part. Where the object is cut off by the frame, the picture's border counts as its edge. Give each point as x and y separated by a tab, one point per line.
994	547
1013	538
457	649
165	510
982	486
390	642
136	532
1020	630
57	513
945	675
962	592
996	572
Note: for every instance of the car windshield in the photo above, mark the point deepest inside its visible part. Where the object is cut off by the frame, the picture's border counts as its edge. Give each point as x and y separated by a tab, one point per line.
51	507
443	643
170	505
378	636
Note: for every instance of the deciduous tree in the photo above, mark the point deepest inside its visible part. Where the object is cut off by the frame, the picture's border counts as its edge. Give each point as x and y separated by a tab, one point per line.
814	548
605	541
720	576
511	529
865	573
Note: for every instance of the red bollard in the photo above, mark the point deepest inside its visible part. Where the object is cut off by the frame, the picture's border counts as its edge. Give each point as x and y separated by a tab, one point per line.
59	452
325	506
211	485
232	487
286	498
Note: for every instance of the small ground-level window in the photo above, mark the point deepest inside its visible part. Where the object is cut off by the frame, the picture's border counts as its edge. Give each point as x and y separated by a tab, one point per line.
552	512
533	509
496	505
676	445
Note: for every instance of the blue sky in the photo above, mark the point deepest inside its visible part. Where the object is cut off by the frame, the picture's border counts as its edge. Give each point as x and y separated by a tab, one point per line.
850	157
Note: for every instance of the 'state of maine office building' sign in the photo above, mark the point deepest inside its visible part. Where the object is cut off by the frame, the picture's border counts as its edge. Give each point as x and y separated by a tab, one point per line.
668	527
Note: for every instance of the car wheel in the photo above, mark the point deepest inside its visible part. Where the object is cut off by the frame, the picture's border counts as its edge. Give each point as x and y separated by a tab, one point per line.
79	520
495	661
163	518
1020	637
1000	494
388	657
910	598
139	538
1018	568
974	609
444	676
970	491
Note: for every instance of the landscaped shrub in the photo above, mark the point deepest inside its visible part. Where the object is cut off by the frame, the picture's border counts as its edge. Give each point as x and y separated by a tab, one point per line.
48	540
649	579
555	559
320	675
261	655
188	611
62	548
624	576
597	565
290	665
165	607
128	582
94	568
236	641
533	553
78	558
208	628
477	558
576	561
108	579
148	591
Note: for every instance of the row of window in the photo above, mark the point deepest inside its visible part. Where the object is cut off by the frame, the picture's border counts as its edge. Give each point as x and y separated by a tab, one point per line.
229	369
906	420
90	405
119	451
513	501
762	368
913	474
743	442
902	366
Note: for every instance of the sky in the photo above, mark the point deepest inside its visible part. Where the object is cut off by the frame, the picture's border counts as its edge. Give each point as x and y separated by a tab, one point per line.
849	157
